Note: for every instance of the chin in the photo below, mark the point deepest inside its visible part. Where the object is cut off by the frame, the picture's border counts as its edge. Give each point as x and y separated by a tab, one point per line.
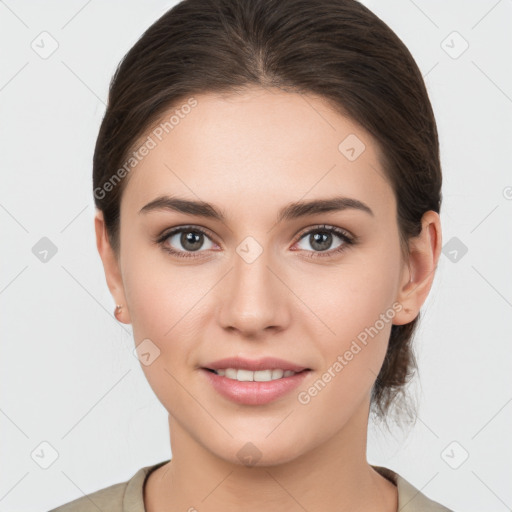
260	452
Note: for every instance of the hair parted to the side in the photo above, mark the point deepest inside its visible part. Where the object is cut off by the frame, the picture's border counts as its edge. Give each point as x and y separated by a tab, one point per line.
336	49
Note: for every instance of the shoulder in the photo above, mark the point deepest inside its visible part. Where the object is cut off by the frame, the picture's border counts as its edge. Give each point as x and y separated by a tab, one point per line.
413	500
410	499
109	498
119	497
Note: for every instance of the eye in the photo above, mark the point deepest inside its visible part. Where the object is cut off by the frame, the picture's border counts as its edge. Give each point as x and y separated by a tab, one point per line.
187	239
321	238
184	241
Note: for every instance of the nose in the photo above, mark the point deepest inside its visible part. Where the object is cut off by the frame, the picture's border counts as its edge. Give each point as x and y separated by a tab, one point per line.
254	299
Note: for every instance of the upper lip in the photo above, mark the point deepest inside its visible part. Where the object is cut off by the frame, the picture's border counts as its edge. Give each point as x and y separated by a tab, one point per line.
264	363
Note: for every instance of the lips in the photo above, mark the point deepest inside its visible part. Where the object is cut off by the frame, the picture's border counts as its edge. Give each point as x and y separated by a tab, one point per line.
254	388
252	392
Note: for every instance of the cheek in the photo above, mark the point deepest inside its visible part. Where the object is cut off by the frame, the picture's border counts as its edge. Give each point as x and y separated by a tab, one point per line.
351	357
158	294
167	306
353	296
355	304
162	310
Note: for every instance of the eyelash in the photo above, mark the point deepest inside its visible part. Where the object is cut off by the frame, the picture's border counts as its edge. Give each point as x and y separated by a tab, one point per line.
347	239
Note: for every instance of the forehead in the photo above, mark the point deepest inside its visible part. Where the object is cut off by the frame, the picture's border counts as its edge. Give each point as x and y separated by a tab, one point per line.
242	148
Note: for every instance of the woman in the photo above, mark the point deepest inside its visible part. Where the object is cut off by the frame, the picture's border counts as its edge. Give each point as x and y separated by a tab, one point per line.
268	187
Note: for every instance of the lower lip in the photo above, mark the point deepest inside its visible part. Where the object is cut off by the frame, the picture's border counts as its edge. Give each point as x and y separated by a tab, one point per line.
254	393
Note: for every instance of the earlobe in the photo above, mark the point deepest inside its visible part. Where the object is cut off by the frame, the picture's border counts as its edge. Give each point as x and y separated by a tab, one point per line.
110	262
419	270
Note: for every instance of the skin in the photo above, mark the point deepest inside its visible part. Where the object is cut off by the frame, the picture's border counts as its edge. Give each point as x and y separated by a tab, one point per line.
249	155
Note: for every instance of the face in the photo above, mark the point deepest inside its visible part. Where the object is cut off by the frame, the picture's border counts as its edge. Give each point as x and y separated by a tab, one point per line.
320	290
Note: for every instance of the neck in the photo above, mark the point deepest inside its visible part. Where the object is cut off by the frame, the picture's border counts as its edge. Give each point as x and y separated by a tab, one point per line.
333	477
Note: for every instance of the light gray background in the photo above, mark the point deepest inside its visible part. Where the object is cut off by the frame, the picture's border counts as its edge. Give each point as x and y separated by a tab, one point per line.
68	374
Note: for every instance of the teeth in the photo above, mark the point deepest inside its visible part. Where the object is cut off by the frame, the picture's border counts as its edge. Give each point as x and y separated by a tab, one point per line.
258	376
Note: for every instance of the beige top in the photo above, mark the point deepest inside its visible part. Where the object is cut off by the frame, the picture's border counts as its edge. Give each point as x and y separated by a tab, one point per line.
128	496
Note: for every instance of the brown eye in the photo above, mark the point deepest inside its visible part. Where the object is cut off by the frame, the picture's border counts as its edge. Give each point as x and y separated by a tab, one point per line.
184	240
321	240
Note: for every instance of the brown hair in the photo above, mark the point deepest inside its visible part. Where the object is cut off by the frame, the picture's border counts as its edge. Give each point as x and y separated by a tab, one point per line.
336	49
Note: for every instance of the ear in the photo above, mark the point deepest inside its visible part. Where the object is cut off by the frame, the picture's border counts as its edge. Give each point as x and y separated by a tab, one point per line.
111	266
419	269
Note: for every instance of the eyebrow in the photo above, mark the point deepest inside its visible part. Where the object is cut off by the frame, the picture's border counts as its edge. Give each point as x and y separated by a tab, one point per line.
290	211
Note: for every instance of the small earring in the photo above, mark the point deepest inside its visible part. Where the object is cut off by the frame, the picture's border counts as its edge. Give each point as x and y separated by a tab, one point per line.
118	311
